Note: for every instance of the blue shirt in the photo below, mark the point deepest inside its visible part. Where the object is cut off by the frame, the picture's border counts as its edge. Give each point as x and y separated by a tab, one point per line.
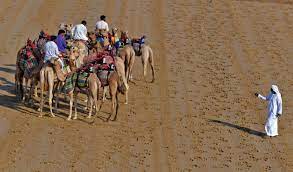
61	43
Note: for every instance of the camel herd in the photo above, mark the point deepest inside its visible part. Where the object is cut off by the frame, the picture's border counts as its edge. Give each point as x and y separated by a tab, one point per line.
80	57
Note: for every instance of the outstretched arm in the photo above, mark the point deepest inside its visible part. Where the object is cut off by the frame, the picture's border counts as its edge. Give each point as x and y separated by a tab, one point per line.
262	97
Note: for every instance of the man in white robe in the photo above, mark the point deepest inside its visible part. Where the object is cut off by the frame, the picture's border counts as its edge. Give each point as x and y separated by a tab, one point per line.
79	32
274	110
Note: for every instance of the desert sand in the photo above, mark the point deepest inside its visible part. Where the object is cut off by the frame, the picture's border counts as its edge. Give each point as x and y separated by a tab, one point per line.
200	114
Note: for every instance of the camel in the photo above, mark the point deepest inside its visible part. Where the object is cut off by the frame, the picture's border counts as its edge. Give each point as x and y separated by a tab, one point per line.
94	45
82	50
120	69
127	54
67	28
48	78
93	86
147	56
20	75
115	87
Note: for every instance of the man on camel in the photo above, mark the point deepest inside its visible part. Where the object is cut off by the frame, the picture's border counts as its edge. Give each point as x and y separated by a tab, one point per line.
53	55
79	32
61	42
102	26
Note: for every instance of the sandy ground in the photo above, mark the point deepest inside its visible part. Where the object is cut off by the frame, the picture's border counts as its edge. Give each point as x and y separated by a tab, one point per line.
199	115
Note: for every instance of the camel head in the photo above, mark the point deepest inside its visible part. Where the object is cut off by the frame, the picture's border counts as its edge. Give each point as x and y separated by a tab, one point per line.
66	27
73	56
114	32
70	43
124	35
92	36
74	53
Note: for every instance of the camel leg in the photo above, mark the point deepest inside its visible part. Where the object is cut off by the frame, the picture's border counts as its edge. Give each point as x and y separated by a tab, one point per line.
42	100
16	82
126	97
21	89
42	85
130	78
96	102
36	88
51	85
151	61
105	89
116	105
70	105
87	100
75	105
144	64
99	107
58	88
127	73
25	89
31	90
113	91
90	101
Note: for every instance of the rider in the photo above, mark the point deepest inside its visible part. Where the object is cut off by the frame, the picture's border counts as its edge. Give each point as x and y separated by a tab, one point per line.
79	32
102	25
61	42
53	55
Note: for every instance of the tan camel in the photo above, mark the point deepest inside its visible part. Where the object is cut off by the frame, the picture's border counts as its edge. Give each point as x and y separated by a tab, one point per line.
93	87
116	86
147	57
66	27
94	45
120	69
127	54
48	78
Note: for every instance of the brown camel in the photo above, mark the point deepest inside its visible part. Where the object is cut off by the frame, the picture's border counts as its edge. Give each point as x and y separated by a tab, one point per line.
48	78
127	54
23	92
94	45
147	57
116	86
120	69
93	87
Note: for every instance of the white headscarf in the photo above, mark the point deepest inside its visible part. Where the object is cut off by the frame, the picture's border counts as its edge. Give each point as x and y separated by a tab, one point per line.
275	89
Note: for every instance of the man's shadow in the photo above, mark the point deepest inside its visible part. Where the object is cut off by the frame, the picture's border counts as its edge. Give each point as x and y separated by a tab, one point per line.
269	1
247	130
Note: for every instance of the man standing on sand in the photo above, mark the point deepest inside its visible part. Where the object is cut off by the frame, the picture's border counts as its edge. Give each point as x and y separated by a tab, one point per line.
274	110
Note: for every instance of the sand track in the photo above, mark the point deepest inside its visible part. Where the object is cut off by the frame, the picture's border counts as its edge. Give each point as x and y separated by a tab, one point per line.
200	114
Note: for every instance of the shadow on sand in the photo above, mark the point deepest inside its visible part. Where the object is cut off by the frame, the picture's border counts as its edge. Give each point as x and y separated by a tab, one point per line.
247	130
269	1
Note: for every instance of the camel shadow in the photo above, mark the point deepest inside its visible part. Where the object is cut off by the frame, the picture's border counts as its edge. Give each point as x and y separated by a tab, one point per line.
7	70
12	103
7	86
247	130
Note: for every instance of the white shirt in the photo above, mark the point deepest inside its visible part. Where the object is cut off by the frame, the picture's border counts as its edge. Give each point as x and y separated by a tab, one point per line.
79	32
102	25
51	50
